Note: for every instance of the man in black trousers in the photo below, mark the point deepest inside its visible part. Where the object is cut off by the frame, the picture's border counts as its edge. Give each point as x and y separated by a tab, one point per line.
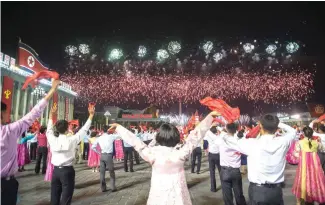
197	154
230	176
63	150
128	155
266	158
214	157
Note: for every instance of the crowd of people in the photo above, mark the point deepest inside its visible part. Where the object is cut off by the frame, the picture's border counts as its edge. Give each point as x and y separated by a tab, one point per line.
230	148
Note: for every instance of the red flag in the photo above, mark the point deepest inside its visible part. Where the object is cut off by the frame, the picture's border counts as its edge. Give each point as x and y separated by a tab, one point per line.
229	113
36	126
28	59
39	75
254	132
74	122
321	118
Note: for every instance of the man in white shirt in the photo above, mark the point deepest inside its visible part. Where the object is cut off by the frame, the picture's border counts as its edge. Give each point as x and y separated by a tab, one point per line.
63	155
266	160
320	132
230	162
214	157
106	143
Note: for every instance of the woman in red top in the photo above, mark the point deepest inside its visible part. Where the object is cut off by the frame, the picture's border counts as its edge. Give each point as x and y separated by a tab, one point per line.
41	151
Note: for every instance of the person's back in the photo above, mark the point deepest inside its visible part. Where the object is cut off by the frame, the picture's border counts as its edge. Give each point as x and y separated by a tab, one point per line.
274	149
309	183
168	182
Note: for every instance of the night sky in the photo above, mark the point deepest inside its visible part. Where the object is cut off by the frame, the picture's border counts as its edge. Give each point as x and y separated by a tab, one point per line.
50	26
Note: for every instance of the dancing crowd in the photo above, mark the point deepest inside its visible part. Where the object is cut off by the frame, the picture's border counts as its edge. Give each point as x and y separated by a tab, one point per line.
230	148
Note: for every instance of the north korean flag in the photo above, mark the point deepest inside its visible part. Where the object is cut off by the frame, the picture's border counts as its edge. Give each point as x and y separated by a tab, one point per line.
28	59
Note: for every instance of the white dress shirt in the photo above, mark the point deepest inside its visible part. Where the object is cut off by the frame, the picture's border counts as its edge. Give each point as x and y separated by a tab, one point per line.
265	155
144	136
214	142
63	147
229	157
105	142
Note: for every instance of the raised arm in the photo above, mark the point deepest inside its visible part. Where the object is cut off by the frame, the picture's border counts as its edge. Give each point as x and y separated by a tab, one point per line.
49	131
25	122
290	133
83	131
196	136
133	140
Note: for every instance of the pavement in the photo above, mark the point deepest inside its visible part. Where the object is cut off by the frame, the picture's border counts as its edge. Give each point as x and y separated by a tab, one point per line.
133	188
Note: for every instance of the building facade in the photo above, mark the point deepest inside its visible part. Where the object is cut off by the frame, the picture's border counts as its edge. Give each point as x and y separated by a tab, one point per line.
19	101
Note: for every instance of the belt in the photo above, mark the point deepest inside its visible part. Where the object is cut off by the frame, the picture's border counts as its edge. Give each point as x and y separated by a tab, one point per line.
225	167
61	167
267	185
8	178
107	153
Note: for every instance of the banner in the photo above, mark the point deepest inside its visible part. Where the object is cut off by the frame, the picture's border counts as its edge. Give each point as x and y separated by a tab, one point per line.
67	108
134	116
28	59
316	110
55	102
7	92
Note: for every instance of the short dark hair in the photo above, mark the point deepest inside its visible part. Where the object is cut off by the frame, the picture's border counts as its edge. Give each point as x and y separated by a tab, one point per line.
93	134
321	128
92	127
62	126
3	107
42	129
231	128
213	129
168	135
270	123
105	128
240	133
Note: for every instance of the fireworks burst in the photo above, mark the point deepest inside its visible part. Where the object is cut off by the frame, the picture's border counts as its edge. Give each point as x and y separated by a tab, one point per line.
167	89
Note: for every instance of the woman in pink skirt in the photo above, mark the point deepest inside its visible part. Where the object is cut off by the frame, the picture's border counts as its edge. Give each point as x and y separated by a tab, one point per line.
119	154
94	158
290	156
22	151
50	167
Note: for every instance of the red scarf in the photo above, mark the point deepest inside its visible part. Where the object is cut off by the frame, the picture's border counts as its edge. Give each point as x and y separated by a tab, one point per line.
39	75
230	114
254	132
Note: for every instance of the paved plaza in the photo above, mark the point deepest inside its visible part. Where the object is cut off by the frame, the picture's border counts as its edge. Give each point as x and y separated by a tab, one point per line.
133	188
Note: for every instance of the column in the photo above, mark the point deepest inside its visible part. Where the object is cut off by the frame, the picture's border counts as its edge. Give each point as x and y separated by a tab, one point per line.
31	102
47	113
71	108
25	108
16	115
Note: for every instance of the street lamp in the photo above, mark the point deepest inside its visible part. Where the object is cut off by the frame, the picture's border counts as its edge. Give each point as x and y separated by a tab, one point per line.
107	115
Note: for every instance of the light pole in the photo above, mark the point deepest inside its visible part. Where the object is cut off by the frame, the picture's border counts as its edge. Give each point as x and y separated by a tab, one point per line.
107	115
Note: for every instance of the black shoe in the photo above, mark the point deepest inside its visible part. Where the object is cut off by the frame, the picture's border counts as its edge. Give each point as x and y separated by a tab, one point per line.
131	170
192	172
213	190
197	172
126	170
104	190
114	190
